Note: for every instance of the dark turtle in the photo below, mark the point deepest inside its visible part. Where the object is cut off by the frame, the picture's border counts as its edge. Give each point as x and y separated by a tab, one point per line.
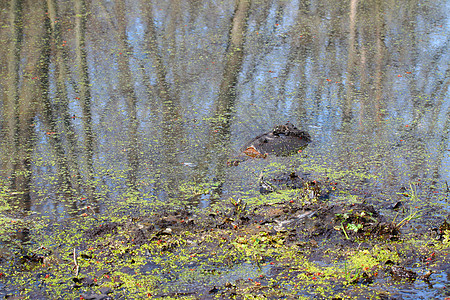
282	140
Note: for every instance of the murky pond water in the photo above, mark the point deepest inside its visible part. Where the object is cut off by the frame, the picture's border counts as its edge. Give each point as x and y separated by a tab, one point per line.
131	105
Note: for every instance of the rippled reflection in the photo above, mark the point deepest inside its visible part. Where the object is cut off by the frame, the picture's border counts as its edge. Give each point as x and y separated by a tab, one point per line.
107	100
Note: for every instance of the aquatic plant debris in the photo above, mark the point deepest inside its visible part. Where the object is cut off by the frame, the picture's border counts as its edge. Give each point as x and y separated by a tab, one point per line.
305	246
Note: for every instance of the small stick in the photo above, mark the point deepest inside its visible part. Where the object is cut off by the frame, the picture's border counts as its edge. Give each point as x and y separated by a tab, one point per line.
40	247
77	266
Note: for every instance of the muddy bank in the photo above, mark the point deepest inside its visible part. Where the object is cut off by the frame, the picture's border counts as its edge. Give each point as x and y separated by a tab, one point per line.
305	247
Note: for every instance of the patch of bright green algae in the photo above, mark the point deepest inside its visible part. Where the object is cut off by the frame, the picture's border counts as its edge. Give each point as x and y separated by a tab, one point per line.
205	255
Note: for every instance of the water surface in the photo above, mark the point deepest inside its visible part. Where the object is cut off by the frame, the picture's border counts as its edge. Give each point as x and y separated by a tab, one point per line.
130	106
147	100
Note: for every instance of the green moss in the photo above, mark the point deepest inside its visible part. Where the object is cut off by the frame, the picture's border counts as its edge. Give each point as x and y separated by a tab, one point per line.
207	255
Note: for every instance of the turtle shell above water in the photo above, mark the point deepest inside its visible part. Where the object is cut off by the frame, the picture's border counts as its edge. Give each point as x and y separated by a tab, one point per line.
283	140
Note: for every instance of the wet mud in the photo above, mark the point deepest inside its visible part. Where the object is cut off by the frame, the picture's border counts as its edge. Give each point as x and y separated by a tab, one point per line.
273	250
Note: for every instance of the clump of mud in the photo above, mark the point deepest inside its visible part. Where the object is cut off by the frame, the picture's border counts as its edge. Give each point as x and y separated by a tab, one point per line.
180	248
